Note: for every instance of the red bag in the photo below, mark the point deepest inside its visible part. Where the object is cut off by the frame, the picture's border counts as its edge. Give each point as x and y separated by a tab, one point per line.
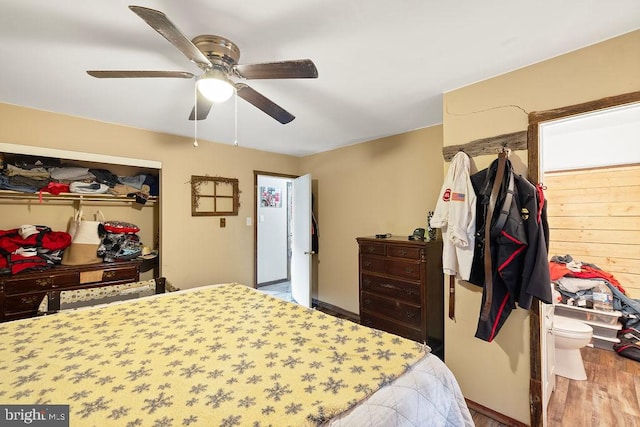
120	227
629	345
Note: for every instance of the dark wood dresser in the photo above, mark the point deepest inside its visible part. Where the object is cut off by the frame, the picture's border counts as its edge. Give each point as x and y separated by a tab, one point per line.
21	294
402	288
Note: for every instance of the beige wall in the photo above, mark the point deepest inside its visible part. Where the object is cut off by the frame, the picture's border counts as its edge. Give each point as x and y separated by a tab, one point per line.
496	374
383	186
195	250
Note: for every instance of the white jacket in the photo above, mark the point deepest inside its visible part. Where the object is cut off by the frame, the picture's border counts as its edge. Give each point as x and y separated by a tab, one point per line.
455	214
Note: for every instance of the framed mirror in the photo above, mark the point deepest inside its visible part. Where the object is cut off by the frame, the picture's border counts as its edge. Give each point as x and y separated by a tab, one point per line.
214	196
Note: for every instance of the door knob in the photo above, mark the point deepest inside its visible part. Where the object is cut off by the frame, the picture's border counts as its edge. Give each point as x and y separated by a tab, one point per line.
310	253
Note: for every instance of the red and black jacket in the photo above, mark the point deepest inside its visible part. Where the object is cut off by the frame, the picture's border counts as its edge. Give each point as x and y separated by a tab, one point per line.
520	269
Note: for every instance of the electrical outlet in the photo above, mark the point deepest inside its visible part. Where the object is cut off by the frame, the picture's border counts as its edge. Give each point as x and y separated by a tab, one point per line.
223	222
248	221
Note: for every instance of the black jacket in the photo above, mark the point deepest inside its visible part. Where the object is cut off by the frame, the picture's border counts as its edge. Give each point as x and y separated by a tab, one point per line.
520	267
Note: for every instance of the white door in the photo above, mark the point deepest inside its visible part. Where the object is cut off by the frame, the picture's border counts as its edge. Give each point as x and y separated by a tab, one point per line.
301	241
548	352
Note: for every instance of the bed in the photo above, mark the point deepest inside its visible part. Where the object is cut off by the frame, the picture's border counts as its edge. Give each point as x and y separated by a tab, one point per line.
223	355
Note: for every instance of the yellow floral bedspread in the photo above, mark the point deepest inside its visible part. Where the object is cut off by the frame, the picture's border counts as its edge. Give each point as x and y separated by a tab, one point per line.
220	356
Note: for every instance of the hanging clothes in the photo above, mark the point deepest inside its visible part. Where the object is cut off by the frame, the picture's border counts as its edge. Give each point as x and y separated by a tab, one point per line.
455	214
516	269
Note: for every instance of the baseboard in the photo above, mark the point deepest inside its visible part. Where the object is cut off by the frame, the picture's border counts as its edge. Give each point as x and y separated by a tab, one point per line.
323	306
501	418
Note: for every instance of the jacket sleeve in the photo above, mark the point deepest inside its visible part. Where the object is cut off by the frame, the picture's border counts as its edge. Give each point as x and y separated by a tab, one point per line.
536	281
462	211
440	217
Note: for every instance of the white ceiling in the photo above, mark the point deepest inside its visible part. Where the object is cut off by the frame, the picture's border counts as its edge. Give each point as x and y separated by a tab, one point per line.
382	65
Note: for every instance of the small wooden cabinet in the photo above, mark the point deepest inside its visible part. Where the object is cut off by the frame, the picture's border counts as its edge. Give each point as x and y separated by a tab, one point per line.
402	288
21	294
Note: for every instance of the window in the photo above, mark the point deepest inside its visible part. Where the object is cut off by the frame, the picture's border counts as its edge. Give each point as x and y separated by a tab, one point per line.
214	196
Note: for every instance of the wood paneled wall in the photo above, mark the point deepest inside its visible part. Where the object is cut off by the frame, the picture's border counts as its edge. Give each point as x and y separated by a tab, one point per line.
594	215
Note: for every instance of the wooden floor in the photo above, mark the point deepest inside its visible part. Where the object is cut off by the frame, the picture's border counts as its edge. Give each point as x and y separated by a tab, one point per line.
609	397
484	421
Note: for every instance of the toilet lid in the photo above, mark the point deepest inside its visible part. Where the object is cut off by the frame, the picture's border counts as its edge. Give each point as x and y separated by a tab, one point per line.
570	325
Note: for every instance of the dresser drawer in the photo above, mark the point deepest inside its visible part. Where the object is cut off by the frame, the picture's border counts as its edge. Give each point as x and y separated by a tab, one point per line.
21	285
405	252
373	248
110	274
373	321
403	312
391	288
391	266
23	303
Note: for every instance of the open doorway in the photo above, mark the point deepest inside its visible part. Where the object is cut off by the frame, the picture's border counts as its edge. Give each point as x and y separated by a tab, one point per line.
284	243
536	173
273	229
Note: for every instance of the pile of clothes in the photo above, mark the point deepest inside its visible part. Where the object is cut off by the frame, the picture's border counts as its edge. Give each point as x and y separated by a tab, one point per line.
575	281
120	241
31	247
30	174
36	247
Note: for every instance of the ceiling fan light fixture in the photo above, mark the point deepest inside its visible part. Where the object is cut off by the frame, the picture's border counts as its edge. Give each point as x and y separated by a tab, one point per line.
215	86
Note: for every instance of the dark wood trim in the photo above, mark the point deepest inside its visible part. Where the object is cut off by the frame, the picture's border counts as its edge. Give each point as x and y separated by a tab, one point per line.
585	107
533	162
501	418
275	174
535	360
340	312
533	170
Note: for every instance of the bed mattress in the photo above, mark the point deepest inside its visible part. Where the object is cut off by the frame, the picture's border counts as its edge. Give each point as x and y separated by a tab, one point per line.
223	355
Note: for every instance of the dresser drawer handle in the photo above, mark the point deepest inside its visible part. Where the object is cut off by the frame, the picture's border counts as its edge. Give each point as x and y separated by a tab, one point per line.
366	282
403	252
30	299
410	291
408	270
367	301
410	315
367	264
109	274
44	282
371	249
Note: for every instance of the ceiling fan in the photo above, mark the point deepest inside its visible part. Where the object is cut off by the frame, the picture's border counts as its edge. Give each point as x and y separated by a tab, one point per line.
218	58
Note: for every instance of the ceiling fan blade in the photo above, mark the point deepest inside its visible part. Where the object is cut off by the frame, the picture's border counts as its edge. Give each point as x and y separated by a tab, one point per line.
159	22
118	74
295	69
204	106
271	108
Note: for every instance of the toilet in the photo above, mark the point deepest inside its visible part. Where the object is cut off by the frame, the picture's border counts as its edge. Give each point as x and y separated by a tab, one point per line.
570	336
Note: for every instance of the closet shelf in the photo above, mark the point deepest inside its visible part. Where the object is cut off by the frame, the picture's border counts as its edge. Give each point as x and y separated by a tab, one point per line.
104	198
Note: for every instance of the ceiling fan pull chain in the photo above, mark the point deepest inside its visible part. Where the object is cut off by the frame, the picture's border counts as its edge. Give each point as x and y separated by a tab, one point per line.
235	138
195	121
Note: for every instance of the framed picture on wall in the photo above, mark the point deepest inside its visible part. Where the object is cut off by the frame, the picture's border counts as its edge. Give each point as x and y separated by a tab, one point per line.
270	197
